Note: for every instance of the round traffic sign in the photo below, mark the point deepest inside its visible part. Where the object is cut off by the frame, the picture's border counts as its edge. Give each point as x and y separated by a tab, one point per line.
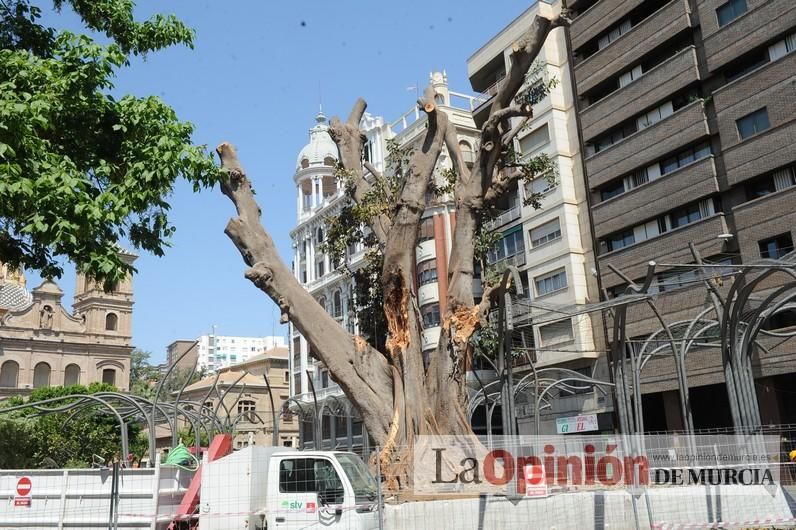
23	486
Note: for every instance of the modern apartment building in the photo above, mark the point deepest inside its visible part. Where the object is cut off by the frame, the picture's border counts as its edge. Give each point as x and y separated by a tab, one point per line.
551	246
687	113
319	196
220	351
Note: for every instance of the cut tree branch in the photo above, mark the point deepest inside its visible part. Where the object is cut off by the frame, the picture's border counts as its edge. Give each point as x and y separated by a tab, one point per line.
349	140
357	369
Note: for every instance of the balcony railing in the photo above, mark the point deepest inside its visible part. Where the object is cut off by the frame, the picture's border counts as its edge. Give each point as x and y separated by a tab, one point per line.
506	217
457	100
517	260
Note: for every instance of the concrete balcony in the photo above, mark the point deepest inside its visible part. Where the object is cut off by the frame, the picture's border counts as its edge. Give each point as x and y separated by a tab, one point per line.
599	18
428	293
754	220
655	198
763	20
685	126
772	87
425	250
671	247
625	51
665	79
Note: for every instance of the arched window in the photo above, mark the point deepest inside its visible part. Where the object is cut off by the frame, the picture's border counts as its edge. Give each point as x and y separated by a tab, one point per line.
111	321
467	152
322	302
109	376
41	375
440	99
305	163
337	304
319	235
329	161
72	375
9	373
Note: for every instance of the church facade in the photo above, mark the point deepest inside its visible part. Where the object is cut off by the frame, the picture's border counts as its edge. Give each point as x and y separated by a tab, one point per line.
43	343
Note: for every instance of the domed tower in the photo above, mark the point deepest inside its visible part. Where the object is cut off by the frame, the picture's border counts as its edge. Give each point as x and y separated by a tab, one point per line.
314	177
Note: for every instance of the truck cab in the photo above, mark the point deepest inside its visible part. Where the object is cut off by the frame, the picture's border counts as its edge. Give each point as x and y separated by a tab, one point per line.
278	489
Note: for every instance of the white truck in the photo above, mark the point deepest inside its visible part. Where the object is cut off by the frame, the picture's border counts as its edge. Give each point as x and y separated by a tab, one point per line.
282	489
254	488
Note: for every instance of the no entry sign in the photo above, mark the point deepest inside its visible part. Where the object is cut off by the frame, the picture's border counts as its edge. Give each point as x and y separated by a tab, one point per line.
24	486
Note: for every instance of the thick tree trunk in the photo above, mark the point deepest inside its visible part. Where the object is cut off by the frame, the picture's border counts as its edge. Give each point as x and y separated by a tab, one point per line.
396	397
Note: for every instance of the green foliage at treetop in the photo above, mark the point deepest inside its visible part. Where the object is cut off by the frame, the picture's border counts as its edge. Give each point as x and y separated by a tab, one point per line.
62	440
81	171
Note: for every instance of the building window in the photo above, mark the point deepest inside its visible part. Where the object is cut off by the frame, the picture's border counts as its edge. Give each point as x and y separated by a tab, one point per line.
685	157
556	333
467	152
109	376
367	151
426	230
430	314
246	405
41	375
427	272
320	269
534	140
547	233
550	283
753	123
539	186
72	375
111	322
612	190
776	181
728	12
337	304
782	47
510	245
655	115
9	374
620	240
685	215
614	33
776	247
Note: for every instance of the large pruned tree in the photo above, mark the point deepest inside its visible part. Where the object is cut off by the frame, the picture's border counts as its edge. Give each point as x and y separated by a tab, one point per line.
396	395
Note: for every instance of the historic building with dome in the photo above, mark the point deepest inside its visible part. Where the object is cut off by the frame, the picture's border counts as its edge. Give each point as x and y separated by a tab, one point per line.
43	343
320	196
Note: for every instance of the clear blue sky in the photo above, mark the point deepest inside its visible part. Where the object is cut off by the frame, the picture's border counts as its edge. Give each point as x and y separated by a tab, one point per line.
255	79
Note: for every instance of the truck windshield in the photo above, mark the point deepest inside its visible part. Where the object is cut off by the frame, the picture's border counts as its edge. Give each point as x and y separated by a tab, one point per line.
361	480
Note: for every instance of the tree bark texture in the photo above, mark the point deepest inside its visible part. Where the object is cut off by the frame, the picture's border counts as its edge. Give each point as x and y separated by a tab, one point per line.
395	394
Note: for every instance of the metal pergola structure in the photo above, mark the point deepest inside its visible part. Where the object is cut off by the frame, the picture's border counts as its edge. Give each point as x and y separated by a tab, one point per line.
732	323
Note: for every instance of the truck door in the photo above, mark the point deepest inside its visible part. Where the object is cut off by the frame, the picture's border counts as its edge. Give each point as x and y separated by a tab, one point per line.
310	495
